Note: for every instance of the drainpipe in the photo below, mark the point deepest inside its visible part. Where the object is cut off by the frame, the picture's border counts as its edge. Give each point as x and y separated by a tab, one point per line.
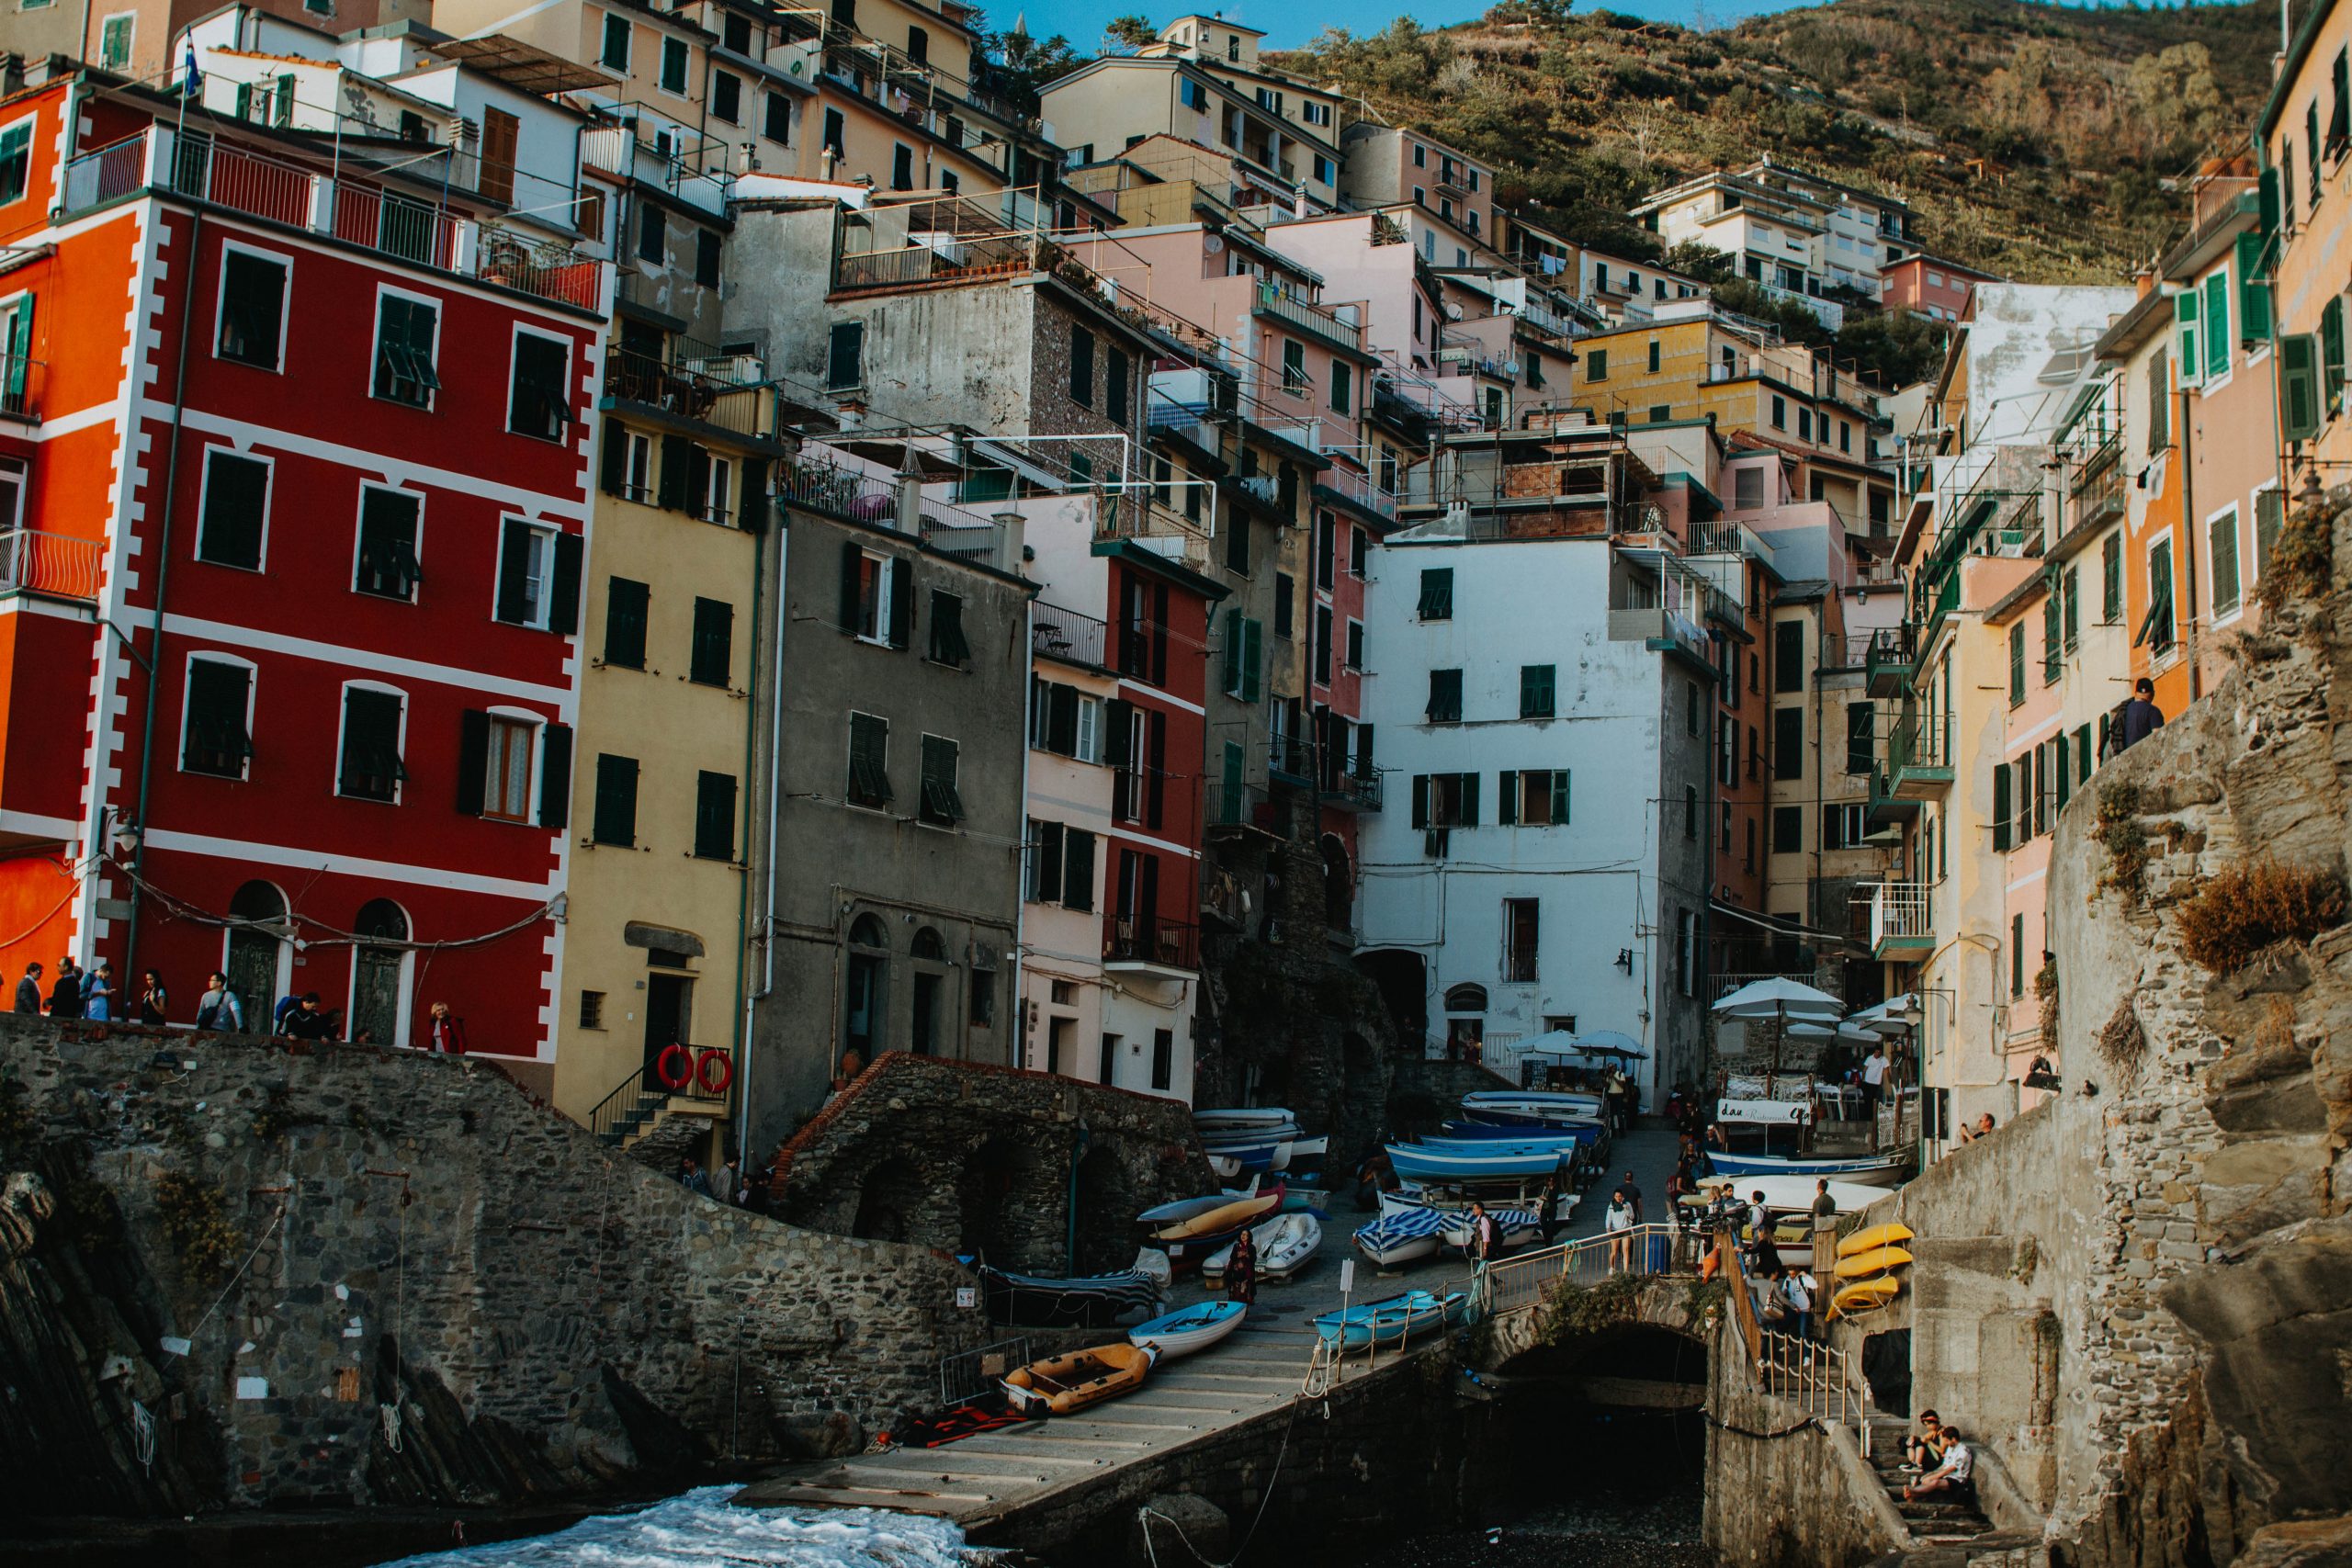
2186	548
743	888
163	581
774	789
1018	1056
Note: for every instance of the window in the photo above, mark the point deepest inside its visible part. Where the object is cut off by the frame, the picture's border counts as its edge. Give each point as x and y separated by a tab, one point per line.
1862	738
2156	629
1690	708
1536	690
1534	798
252	308
1596	364
1293	366
539	577
653	233
387	525
215	728
713	816
727	97
113	41
1355	645
2053	655
1788	656
370	752
948	644
1521	927
502	135
1065	720
1788	743
776	118
918	45
1343	386
2216	314
1359	552
940	806
1322	644
1844	826
903	166
1327	550
869	745
2017	956
1163	1058
1805	425
235	507
2017	664
616	810
495	755
614	53
2331	358
1116	373
2222	557
2270	504
1788	829
538	404
2071	593
1081	367
1845	436
673	66
1445	696
1437	593
710	660
407	334
1689	811
1445	800
877	596
1746	489
1244	656
627	604
592	1010
845	356
1779	412
1285	600
706	258
831	140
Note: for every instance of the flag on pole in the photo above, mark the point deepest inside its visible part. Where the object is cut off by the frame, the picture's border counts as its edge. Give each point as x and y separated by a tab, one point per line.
195	83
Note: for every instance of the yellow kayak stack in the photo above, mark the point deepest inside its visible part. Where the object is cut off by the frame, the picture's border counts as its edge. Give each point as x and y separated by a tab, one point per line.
1866	1274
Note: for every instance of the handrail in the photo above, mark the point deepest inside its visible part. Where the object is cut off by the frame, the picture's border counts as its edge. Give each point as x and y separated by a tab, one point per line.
1512	1284
1820	1378
617	1107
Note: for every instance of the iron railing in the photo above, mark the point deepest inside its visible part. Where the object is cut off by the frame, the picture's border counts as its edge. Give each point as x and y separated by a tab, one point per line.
59	565
690	393
1066	634
1359	790
1654	1248
844	493
21	379
967	1374
643	1097
1919	740
1900	911
1151	939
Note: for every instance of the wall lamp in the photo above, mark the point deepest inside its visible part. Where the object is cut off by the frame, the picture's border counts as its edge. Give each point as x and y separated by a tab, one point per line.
1625	959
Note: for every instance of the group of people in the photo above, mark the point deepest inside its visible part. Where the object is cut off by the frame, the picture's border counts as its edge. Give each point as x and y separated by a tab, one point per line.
80	993
1941	1460
734	1181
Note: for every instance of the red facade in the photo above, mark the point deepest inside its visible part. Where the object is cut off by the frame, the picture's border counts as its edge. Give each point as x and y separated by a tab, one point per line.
1160	623
383	570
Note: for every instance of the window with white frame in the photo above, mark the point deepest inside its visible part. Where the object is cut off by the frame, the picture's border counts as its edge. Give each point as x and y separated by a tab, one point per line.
539	401
368	751
216	717
408	332
507	773
232	511
251	328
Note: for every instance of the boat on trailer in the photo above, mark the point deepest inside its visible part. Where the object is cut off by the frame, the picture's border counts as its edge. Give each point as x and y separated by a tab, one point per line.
1427	1164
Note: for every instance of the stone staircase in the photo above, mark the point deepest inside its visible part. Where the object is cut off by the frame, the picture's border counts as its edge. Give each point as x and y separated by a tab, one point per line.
1944	1531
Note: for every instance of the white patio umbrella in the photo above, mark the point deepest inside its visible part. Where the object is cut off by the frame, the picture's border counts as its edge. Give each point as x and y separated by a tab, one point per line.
1849	1033
1781	999
1611	1043
1887	1017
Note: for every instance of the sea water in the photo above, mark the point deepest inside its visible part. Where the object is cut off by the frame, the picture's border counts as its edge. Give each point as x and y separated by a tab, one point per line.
699	1530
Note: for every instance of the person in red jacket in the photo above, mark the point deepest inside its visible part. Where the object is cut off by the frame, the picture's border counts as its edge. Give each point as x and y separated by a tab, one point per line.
445	1031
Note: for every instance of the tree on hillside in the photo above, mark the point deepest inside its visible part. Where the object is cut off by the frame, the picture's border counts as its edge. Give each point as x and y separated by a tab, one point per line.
1135	29
2178	97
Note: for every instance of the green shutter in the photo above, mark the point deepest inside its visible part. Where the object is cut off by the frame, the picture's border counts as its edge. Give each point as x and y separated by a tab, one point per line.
2065	775
2082	753
1233	652
710	658
2299	396
1469	800
714	817
1559	796
2185	329
555	775
2111	580
2217	322
1506	798
2052	650
2222	552
2073	582
1253	662
2000	807
616	818
2331	356
2017	664
2254	296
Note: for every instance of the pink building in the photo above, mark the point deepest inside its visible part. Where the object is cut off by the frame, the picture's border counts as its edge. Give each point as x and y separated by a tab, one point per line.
1930	286
1386	167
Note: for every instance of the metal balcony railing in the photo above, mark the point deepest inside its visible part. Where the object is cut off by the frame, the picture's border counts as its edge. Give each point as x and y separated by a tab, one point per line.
1066	634
1359	790
689	393
1311	319
60	566
1919	740
21	385
1153	940
1900	911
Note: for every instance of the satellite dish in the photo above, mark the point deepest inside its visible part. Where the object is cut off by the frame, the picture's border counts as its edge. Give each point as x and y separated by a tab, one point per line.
1213	244
1453	311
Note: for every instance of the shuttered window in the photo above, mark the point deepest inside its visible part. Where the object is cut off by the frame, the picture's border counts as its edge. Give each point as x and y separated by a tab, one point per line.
214	738
2110	579
714	817
1788	743
1538	696
2017	664
615	820
2000	807
1862	738
947	642
538	404
1445	696
869	745
405	334
626	603
2222	542
941	805
236	505
387	565
1437	593
253	305
711	659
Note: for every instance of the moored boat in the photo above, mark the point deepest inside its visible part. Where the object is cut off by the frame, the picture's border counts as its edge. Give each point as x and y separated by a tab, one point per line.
1532	1105
1791	1195
1581	1133
1285	1244
1189	1241
1060	1384
1028	1301
1188	1329
1514	1228
1416	1162
1870	1170
1401	1233
1227	1119
1392	1321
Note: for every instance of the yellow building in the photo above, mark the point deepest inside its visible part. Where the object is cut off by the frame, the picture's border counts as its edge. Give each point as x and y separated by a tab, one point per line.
654	941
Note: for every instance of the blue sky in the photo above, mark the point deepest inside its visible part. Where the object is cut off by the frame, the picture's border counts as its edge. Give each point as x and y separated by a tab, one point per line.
1288	26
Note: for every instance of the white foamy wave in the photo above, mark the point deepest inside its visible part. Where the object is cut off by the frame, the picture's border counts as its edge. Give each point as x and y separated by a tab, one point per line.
699	1529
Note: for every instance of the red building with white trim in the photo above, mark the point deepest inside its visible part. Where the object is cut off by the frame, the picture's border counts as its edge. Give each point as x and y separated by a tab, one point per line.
286	624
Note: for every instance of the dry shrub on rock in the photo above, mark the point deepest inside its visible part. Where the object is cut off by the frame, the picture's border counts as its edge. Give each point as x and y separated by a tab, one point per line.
2241	910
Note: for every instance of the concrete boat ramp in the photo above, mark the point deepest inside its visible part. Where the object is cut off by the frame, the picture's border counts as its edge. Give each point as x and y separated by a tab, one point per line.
979	1480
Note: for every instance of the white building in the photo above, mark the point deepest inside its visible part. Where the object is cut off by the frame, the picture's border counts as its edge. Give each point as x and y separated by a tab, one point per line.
1792	232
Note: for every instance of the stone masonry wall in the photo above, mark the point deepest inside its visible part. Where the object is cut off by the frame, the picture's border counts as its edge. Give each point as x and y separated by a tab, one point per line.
401	1281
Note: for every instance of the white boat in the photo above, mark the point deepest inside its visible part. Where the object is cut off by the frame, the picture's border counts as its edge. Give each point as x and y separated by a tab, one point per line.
1770	1112
1513	1227
1401	1233
1871	1171
1284	1244
1308	1149
1792	1194
1239	1117
1188	1329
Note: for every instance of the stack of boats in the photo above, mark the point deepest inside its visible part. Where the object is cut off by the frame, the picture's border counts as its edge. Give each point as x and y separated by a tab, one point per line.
1243	1140
1509	1150
1868	1269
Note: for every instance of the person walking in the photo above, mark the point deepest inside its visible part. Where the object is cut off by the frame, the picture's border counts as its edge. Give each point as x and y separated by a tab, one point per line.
1875	1079
305	1021
28	991
1617	1224
154	1003
1825	1207
1633	1193
2138	718
691	1178
1486	1236
218	1008
1547	1207
1241	1271
1796	1288
445	1031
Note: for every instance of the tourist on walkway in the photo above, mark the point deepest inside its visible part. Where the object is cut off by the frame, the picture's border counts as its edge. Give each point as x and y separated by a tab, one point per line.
154	1004
1486	1236
97	992
445	1031
1241	1271
1547	1207
1925	1450
28	991
691	1178
65	991
1618	1222
305	1021
727	1180
1796	1290
2138	718
1955	1478
1875	1079
1825	1207
218	1006
1613	1099
1633	1193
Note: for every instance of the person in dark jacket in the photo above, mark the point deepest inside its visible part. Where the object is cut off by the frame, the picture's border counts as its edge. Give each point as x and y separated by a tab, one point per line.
307	1021
1241	1270
28	991
2139	717
65	992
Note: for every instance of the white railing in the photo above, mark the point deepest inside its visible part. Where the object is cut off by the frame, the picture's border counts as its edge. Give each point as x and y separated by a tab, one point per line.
60	565
1899	910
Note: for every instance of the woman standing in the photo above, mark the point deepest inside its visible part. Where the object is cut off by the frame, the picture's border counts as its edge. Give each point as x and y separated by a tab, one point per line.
1618	1222
154	1004
1241	1271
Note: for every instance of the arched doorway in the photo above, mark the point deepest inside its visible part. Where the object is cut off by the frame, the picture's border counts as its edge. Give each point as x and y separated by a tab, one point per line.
891	1204
1339	884
379	974
1466	1023
1106	1210
1402	976
258	958
865	994
999	1208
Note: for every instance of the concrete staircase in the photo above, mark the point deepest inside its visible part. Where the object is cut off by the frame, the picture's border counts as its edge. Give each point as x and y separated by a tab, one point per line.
644	1112
1945	1530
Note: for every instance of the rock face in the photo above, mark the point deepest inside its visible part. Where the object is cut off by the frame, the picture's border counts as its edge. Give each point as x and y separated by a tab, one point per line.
401	1280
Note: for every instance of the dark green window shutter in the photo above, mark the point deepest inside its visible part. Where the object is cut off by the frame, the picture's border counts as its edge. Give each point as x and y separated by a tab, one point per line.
2110	586
1862	737
2072	600
1078	870
697	480
1421	800
670	484
615	820
1364	770
1559	796
626	606
1788	656
939	803
1234	652
853	593
2053	653
1045	859
1469	800
1536	690
715	816
2063	776
2299	396
711	659
388	543
2000	806
2253	297
752	506
612	459
947	643
236	497
2082	754
371	766
1788	743
473	760
1505	799
1253	659
217	741
514	565
563	592
902	603
555	775
1437	593
2017	663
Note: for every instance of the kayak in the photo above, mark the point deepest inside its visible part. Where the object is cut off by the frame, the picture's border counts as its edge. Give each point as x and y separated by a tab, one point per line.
1864	1294
1877	1260
1873	1238
1060	1384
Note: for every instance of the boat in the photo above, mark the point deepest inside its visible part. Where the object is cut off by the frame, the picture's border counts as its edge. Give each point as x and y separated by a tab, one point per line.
1532	1141
1513	1227
1189	1241
1877	1260
1228	1119
1309	1148
1532	1106
1075	1378
1184	1209
1864	1294
1873	1238
1580	1133
1400	1235
1392	1321
1284	1244
1789	1194
1028	1301
1300	1199
1251	1151
1770	1112
1187	1329
1446	1165
1870	1170
1153	1265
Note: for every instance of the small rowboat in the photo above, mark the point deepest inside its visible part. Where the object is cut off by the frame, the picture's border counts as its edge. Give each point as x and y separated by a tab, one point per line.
1874	1170
1285	1244
1183	1209
1235	1118
1401	1233
1416	1162
1392	1321
1097	1301
1189	1241
1579	1133
1060	1384
1189	1329
1534	1106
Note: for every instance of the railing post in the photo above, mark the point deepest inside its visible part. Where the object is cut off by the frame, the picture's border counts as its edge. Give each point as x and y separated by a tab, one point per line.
322	198
156	174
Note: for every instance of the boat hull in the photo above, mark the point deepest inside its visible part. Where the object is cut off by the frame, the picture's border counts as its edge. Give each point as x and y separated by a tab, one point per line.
1059	1385
1392	1322
1028	1302
1189	1331
1875	1172
1412	1160
1584	1133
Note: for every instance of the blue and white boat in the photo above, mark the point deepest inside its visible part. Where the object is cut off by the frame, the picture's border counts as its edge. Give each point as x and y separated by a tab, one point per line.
1188	1329
1392	1321
1238	1118
1513	1227
1418	1162
1872	1170
1582	1132
1403	1232
1532	1107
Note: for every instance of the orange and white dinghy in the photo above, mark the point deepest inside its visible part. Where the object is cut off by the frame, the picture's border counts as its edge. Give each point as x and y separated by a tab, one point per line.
1075	1378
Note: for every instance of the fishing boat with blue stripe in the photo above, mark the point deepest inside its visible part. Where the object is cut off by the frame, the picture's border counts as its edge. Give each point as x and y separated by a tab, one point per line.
1513	1227
1403	1232
1534	1108
1416	1162
1585	1134
1565	1139
1392	1321
1870	1170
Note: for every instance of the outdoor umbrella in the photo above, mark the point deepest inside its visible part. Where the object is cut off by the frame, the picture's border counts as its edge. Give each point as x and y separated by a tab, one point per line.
1778	998
1886	1018
1611	1043
1849	1033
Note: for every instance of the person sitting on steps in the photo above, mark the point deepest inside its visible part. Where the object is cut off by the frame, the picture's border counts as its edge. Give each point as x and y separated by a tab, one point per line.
1925	1450
1953	1480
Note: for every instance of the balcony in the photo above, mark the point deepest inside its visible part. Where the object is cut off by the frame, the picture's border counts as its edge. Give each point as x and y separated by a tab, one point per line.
1919	757
20	383
50	566
1056	633
1236	806
1887	665
388	221
1152	945
1358	491
1354	791
1291	759
949	261
1135	517
2095	494
1312	320
688	391
1899	918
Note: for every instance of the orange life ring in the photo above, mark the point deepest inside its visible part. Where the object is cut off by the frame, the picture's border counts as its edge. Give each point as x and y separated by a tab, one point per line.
708	1060
674	1067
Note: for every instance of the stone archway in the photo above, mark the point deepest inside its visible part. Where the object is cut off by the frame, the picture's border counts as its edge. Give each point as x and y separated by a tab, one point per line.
1003	1213
891	1200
